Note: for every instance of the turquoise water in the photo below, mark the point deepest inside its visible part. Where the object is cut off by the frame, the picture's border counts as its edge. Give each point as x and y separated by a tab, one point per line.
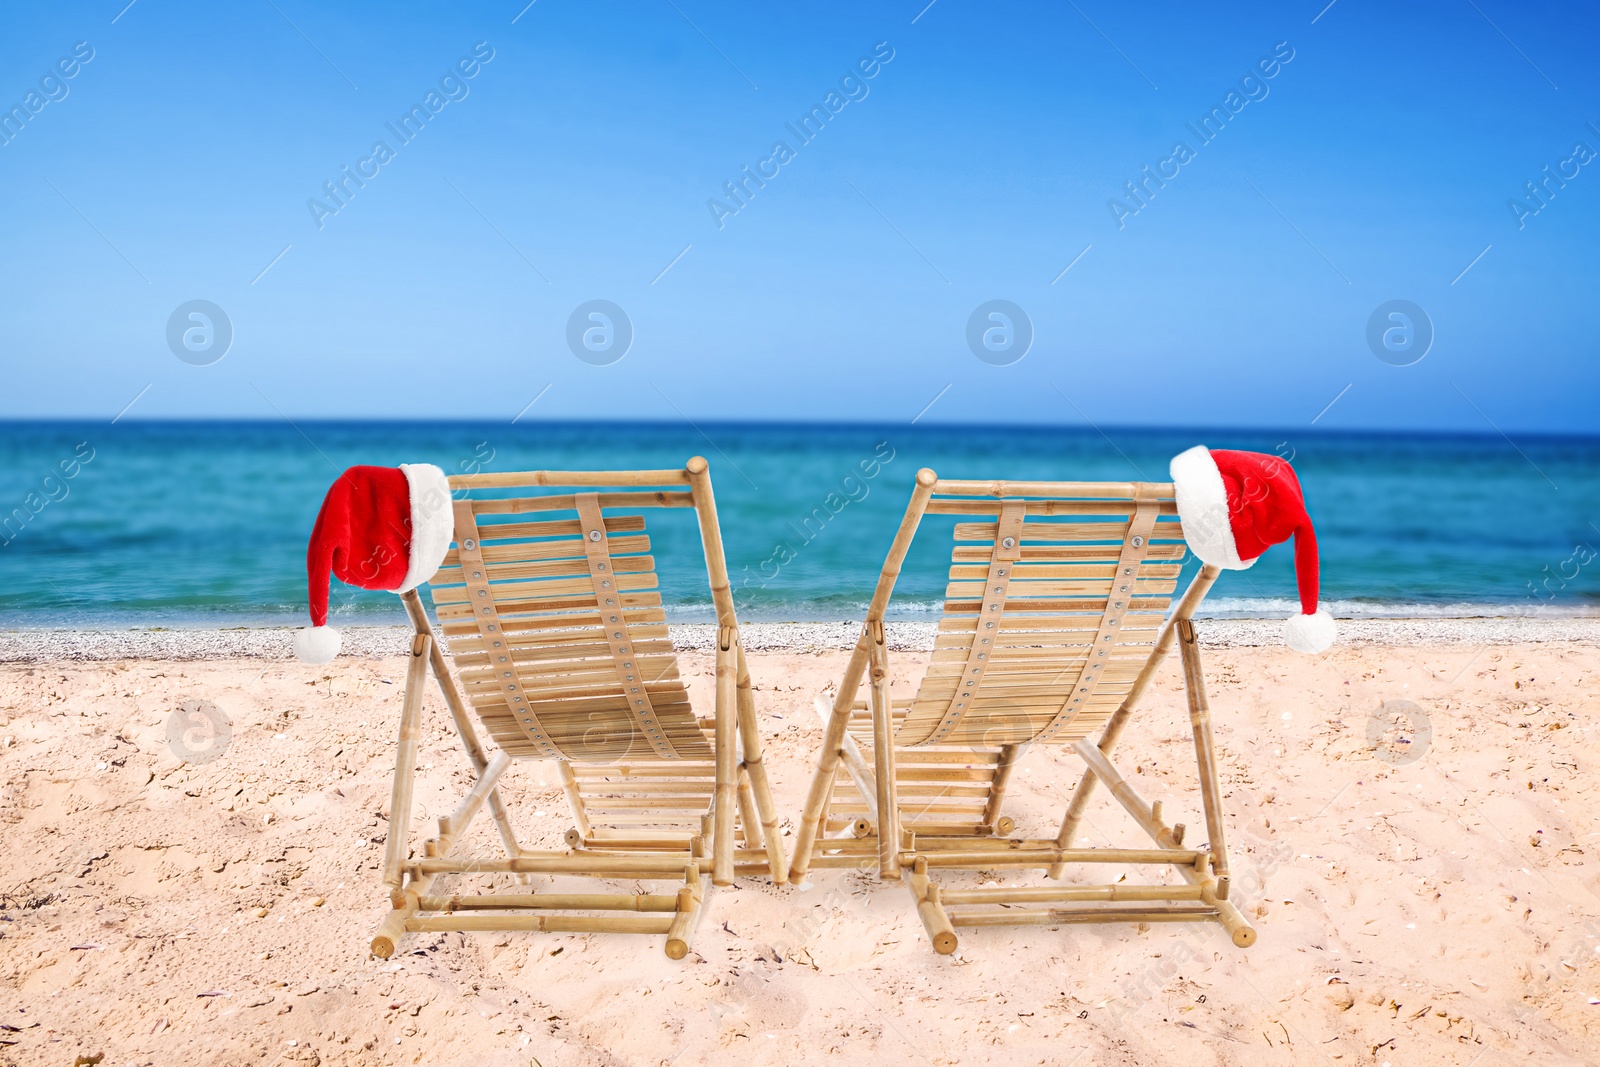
204	524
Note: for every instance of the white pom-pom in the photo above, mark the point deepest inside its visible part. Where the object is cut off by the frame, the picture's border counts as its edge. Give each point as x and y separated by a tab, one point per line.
1313	634
316	644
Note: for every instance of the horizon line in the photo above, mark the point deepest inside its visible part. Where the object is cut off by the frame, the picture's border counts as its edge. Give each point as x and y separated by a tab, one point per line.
839	424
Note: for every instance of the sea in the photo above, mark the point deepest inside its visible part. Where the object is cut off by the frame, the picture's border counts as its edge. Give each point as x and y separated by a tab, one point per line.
192	524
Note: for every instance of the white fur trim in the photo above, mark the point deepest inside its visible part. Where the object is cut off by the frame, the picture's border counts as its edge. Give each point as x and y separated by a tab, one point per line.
432	522
1203	509
316	644
1313	634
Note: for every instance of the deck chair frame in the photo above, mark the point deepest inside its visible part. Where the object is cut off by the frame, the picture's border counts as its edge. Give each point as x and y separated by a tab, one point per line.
740	800
879	839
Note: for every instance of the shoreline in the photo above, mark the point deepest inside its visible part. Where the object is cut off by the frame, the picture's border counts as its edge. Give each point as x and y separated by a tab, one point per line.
367	642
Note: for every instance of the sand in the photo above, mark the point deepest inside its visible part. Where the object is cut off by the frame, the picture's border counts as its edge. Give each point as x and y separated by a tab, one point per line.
1430	902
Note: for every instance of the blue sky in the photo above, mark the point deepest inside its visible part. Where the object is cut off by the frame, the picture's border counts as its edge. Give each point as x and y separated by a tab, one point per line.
977	163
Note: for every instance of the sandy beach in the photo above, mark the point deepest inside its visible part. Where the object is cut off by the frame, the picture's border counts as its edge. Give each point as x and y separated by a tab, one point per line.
1430	897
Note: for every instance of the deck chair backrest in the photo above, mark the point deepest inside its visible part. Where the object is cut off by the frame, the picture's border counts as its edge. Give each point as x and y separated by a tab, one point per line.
551	610
1053	606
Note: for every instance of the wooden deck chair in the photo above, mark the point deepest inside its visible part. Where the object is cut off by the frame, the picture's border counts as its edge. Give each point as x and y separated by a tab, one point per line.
548	604
1055	621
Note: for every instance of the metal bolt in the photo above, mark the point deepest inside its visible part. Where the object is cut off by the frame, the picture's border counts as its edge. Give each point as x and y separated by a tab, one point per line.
594	535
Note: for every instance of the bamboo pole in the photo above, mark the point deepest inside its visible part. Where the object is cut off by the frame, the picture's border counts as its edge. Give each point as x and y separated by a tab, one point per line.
680	932
855	765
749	824
727	757
1143	812
634	842
546	924
393	926
839	721
929	843
935	920
511	479
1194	684
888	807
1064	893
1169	913
569	785
1091	490
1119	719
622	865
698	475
1045	857
750	738
1148	816
652	902
458	820
460	716
566	502
405	765
997	785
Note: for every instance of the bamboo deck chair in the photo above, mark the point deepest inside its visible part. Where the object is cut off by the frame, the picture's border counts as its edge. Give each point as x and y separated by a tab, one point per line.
548	604
1055	622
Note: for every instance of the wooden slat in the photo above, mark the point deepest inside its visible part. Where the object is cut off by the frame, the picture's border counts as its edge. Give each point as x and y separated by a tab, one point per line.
1023	593
529	629
1047	605
530	504
505	573
1144	618
1068	553
597	806
506	552
1100	571
1045	507
516	479
647	769
1034	532
510	596
1083	490
567	528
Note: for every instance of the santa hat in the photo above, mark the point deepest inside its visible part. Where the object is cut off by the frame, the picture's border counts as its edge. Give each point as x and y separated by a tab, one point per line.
379	528
1236	505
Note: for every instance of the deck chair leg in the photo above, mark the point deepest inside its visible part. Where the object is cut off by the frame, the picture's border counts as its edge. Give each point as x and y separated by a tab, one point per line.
394	852
935	920
888	804
855	765
680	935
726	755
1119	719
749	819
1009	755
569	785
834	734
1194	685
456	823
460	716
750	742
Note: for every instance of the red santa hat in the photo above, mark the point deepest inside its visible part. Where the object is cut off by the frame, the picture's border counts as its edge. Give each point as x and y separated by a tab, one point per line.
379	528
1236	505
